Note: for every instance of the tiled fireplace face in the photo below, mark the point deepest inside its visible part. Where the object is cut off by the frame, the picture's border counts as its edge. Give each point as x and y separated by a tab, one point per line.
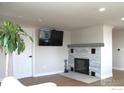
91	53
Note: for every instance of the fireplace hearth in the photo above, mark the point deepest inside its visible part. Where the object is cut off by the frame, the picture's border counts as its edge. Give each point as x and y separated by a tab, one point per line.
81	65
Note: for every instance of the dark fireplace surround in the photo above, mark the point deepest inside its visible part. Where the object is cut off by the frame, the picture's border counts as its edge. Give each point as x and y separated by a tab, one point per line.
81	65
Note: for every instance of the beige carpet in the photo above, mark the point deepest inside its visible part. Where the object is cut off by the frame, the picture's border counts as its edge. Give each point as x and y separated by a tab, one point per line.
81	77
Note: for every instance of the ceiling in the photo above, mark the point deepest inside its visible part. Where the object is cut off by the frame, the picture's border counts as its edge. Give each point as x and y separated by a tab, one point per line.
69	16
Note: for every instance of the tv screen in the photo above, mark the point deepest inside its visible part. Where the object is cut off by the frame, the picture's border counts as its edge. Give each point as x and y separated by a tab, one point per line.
51	38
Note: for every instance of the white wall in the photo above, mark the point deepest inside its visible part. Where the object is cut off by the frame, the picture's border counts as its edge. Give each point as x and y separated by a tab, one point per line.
2	65
50	59
46	59
88	35
106	52
97	34
118	56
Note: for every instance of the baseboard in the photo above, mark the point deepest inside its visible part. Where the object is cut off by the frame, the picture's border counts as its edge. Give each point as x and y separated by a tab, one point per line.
116	68
22	77
48	73
41	74
107	76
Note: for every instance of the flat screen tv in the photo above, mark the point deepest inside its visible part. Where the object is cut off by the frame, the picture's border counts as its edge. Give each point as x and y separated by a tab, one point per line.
51	38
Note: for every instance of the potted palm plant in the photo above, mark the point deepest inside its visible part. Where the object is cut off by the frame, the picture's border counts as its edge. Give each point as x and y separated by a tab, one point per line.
11	40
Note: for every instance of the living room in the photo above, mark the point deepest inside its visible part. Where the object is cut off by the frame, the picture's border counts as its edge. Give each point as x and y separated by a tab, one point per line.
92	31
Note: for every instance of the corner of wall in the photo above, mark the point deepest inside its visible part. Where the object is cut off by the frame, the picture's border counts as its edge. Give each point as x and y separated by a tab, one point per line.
106	76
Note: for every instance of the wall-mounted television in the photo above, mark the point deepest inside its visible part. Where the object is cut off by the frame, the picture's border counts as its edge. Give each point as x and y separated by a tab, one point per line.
50	38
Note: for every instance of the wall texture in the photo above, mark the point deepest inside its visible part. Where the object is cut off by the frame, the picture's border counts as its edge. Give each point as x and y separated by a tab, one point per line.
106	52
2	65
88	35
118	43
50	59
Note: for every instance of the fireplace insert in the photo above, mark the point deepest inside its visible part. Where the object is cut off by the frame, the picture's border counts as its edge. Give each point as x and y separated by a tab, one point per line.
81	65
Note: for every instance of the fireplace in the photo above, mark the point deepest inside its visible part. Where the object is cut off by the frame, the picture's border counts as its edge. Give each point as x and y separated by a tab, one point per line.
81	65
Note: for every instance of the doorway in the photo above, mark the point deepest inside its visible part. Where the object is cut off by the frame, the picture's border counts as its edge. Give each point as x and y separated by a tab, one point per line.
23	63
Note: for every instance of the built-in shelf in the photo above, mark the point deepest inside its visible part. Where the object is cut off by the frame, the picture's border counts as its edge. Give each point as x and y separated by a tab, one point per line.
87	45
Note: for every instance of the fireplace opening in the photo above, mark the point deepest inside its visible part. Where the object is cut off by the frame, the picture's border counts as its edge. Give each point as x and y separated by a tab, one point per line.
81	65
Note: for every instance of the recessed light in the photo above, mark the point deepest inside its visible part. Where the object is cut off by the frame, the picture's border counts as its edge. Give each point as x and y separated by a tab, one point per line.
102	9
122	19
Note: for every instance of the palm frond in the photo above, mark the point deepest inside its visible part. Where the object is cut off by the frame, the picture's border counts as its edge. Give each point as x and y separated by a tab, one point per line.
10	37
